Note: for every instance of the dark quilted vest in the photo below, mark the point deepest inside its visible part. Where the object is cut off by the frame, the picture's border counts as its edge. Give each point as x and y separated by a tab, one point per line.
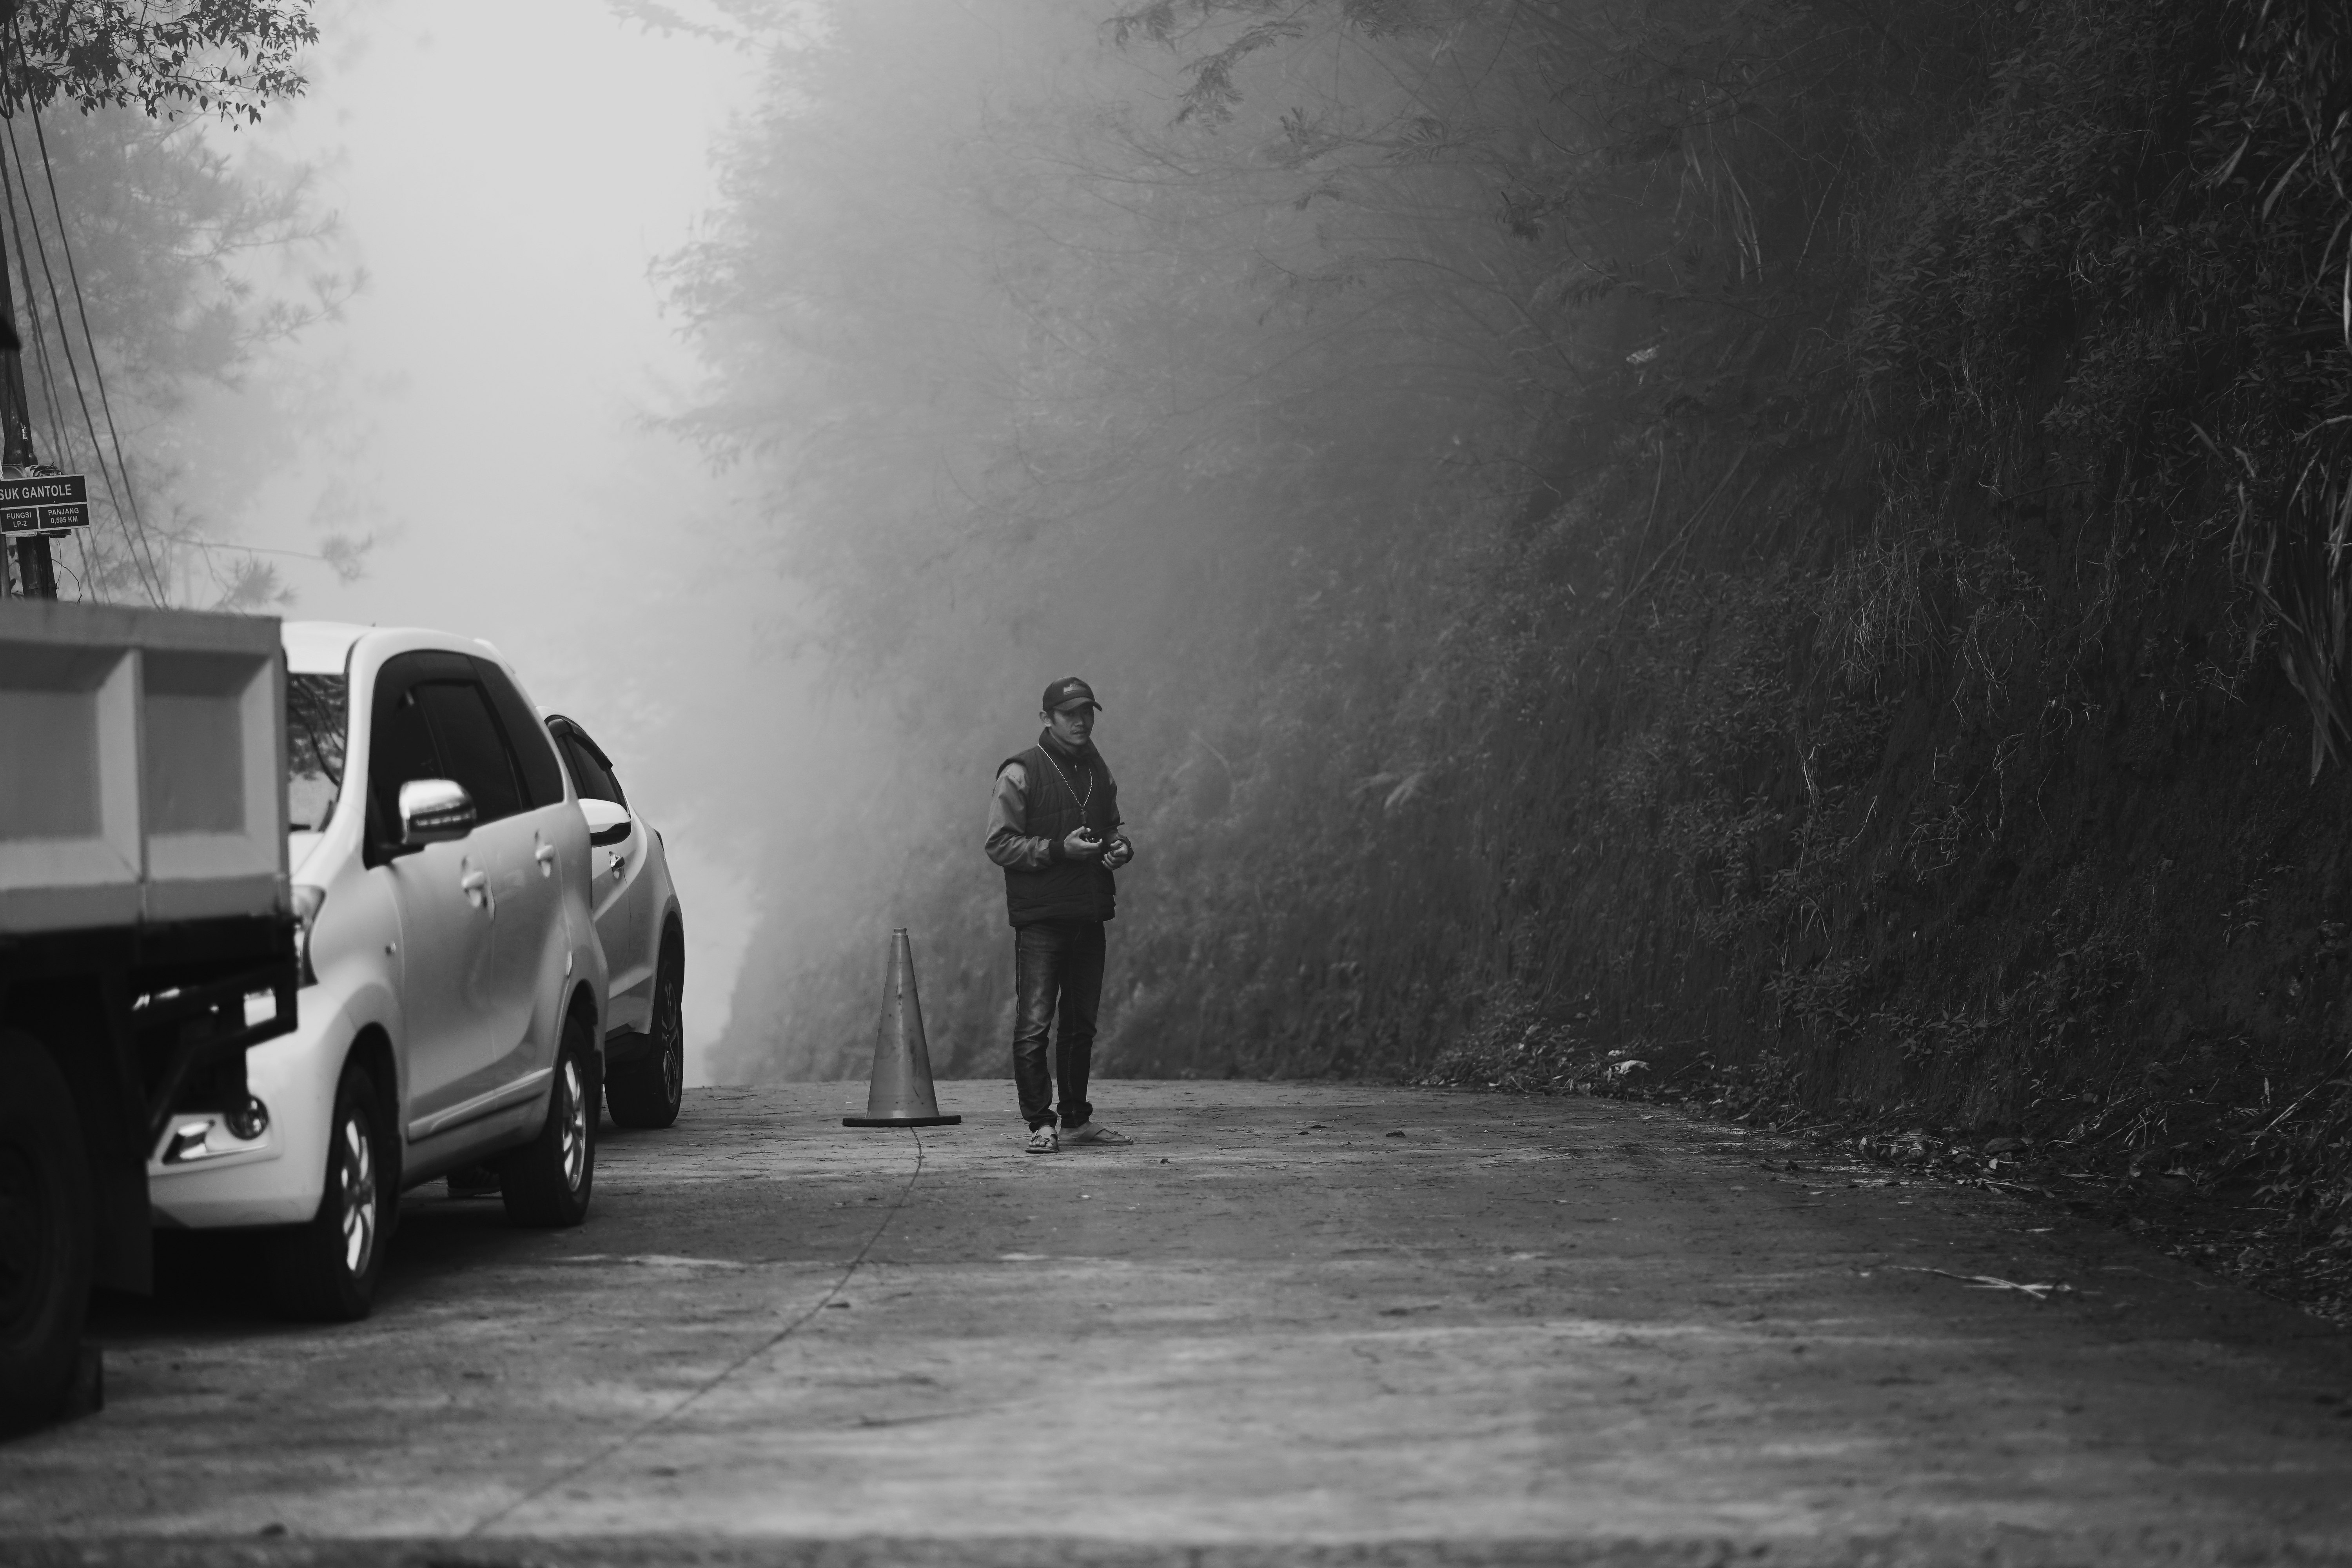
1063	889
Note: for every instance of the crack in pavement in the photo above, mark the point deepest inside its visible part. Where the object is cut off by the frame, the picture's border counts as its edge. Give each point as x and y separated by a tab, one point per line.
630	1437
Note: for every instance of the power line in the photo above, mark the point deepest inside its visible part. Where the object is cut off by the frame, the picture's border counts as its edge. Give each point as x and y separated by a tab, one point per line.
140	544
29	231
60	440
61	432
134	533
97	370
57	442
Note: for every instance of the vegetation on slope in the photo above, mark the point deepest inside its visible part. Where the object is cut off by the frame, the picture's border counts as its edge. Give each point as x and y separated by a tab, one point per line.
1801	546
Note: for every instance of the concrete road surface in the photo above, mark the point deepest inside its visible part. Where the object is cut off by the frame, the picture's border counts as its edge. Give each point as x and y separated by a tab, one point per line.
1292	1323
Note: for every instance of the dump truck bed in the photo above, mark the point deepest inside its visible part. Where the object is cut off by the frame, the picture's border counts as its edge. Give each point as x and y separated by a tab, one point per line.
141	773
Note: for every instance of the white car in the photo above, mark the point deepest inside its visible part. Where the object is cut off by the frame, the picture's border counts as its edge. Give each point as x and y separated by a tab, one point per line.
644	936
453	991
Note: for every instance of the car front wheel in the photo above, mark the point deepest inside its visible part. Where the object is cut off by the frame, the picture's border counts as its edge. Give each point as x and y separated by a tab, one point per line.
549	1180
328	1268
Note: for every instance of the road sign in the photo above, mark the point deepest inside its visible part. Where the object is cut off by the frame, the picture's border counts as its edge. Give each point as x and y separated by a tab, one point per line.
45	490
41	521
44	505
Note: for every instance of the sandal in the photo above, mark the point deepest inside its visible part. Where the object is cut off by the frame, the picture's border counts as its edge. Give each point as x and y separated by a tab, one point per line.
1042	1141
1094	1132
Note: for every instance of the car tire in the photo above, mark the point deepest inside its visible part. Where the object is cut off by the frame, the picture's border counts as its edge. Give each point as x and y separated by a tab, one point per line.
645	1093
326	1270
548	1181
45	1234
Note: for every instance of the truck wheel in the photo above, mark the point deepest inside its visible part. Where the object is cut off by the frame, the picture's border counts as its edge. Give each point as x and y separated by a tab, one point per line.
45	1234
548	1179
327	1269
645	1093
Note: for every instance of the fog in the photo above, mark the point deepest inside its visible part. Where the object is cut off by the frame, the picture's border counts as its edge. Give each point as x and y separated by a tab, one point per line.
1042	369
484	414
793	392
1699	549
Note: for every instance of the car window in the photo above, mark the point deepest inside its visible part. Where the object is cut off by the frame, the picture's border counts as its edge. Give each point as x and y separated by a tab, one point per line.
400	748
595	781
314	750
582	769
467	738
542	779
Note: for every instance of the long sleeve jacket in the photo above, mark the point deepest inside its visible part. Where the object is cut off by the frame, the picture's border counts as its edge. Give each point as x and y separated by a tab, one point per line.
1008	813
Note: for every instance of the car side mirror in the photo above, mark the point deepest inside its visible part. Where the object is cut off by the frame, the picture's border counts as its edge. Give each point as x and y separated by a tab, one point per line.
434	811
608	821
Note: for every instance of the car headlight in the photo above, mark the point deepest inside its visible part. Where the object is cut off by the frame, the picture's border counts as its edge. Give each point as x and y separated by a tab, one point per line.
201	1135
307	902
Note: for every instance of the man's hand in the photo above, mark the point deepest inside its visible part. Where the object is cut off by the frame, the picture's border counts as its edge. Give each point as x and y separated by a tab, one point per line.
1081	845
1118	853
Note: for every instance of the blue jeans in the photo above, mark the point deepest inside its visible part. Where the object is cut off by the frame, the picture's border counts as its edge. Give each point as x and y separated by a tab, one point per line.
1055	963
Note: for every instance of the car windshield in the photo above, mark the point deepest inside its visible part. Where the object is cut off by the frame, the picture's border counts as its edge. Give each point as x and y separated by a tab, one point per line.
314	749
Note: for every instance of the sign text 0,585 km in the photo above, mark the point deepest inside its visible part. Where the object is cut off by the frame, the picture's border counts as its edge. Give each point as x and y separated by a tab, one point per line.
43	503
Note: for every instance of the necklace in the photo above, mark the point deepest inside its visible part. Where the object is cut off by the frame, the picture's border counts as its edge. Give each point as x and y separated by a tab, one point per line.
1047	753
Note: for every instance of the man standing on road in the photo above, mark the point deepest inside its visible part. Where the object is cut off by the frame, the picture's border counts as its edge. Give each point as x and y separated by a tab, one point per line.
1052	825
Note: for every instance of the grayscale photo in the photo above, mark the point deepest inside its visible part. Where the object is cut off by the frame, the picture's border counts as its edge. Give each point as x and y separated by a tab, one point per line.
1175	783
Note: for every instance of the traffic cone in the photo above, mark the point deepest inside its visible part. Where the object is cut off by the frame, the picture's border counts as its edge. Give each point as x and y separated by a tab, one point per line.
901	1093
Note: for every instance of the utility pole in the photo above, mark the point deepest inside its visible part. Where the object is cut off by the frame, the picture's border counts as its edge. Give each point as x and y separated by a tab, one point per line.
36	576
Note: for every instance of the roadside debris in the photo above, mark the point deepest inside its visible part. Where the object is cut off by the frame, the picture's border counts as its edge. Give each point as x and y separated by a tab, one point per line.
1986	1282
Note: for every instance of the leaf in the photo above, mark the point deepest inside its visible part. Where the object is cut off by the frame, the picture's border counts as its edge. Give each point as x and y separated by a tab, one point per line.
1213	96
2231	165
2280	189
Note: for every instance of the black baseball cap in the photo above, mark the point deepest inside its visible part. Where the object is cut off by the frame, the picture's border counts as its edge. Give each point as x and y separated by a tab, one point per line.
1067	692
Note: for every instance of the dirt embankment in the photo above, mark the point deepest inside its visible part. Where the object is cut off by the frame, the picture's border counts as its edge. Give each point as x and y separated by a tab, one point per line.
1935	724
2014	823
1805	546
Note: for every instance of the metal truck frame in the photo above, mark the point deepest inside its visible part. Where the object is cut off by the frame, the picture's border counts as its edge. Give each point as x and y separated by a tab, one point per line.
147	937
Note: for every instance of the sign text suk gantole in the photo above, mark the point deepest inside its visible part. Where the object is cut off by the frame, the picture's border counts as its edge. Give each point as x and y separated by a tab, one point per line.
43	503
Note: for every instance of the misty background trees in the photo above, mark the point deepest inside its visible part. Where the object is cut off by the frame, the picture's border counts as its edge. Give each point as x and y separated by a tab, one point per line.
1324	382
1795	546
147	265
1787	553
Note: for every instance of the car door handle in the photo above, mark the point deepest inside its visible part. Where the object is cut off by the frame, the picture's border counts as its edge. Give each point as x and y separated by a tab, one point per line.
545	856
620	864
476	886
